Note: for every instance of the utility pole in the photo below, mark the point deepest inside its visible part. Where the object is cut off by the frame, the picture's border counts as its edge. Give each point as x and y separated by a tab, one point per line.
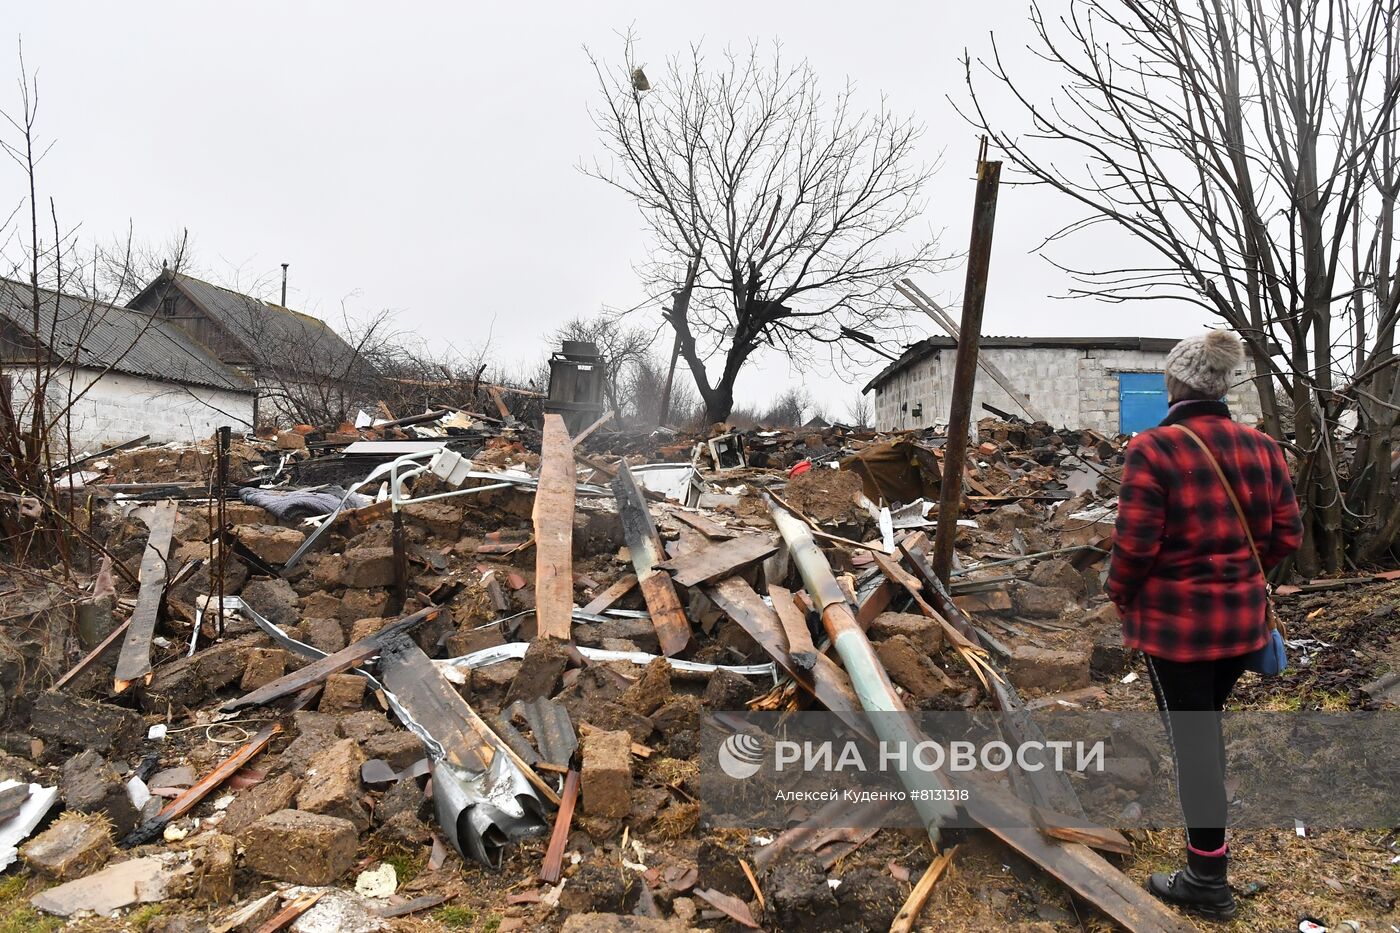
979	256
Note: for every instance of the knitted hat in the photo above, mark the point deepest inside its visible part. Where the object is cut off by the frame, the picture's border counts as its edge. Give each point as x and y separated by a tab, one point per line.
1205	362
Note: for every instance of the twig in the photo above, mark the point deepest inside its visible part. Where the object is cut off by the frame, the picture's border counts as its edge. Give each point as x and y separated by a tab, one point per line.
904	920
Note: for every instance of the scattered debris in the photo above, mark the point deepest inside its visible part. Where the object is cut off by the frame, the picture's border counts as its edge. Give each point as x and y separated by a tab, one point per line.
447	633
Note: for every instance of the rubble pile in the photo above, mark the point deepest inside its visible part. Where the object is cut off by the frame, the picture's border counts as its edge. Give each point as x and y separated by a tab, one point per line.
417	699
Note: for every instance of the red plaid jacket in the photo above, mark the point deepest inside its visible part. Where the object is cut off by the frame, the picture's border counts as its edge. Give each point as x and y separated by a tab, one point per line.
1182	574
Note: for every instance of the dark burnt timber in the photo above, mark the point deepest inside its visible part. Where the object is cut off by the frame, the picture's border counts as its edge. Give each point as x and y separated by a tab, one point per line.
644	544
344	659
979	257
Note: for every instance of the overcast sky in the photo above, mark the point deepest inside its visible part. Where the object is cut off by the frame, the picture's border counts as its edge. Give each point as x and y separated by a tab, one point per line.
422	157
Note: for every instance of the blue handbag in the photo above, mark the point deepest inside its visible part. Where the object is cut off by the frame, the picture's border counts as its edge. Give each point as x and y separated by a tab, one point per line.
1272	659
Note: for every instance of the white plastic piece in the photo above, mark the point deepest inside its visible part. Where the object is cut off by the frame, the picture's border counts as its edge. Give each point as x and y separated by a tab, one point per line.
450	467
138	793
18	827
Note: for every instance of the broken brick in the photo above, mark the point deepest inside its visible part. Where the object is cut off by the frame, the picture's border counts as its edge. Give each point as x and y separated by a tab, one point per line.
925	633
911	668
213	862
274	544
64	719
540	671
1042	670
332	783
368	567
74	846
274	600
322	634
651	690
400	749
342	692
264	666
89	785
1041	602
364	628
299	847
275	793
606	779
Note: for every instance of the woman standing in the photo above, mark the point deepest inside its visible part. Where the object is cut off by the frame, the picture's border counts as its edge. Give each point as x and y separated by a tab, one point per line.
1186	581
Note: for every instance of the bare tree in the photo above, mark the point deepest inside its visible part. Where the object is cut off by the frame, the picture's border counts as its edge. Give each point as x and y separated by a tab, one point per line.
644	386
59	337
1249	149
778	217
308	372
860	411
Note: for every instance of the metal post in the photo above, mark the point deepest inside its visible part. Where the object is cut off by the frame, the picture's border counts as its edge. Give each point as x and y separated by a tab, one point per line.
221	479
979	257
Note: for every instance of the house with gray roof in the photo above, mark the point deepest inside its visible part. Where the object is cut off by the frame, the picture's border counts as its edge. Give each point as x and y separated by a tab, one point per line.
116	372
302	368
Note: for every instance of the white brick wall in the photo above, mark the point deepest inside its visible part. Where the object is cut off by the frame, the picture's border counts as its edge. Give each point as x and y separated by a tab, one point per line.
1074	388
117	407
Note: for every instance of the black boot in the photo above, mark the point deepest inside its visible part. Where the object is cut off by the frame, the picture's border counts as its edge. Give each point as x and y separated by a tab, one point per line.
1200	887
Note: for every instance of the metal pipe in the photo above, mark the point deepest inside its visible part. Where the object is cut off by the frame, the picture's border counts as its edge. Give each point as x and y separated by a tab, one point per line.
889	719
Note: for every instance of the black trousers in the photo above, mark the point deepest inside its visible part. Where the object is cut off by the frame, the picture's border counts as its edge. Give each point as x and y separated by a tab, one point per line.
1191	695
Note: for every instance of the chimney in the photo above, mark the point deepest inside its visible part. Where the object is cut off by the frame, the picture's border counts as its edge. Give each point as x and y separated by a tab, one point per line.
284	284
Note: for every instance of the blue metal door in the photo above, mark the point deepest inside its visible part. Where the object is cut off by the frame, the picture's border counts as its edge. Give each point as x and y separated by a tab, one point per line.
1142	401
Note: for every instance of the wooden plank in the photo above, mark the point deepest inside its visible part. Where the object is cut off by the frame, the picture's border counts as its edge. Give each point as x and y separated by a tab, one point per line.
799	637
553	516
710	529
92	656
587	432
134	662
500	403
292	911
667	614
553	865
644	544
826	681
877	602
344	659
608	597
433	703
719	559
1069	829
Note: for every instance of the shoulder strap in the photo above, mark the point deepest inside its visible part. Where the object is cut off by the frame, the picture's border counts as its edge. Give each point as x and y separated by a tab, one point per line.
1229	491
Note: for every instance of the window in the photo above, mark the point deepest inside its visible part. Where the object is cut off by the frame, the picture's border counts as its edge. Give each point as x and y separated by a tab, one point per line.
168	305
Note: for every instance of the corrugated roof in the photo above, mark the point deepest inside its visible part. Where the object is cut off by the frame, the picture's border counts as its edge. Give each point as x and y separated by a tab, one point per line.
918	351
91	333
276	336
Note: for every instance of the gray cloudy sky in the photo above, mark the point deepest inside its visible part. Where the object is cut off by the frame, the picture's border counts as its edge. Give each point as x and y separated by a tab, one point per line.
422	157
